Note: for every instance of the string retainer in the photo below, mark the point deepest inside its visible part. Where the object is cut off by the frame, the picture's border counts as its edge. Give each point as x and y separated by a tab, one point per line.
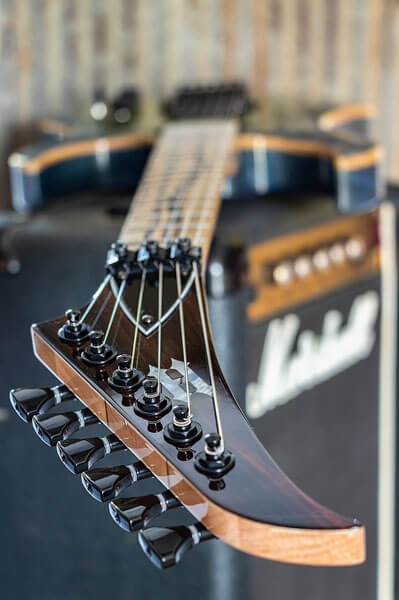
73	330
150	255
214	461
183	431
125	378
98	353
121	262
185	254
150	402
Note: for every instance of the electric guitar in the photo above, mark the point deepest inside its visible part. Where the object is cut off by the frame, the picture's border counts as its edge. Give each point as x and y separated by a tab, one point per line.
140	357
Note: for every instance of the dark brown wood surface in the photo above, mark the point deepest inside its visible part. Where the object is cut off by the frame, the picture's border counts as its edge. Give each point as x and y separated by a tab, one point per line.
258	510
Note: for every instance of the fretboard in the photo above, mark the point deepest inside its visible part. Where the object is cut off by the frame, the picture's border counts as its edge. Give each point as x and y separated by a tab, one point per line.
180	191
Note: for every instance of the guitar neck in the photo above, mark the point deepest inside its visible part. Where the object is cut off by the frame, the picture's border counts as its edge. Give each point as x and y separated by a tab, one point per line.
180	191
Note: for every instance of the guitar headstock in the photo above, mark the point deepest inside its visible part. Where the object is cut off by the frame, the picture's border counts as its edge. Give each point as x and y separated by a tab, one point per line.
140	357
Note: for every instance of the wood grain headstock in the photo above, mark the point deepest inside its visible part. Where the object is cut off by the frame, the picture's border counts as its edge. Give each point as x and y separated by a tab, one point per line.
231	485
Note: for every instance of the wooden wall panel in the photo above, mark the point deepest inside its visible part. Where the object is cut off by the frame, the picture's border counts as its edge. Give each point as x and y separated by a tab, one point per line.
54	53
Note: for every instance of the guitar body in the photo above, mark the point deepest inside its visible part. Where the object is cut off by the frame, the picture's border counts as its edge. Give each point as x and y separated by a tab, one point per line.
285	149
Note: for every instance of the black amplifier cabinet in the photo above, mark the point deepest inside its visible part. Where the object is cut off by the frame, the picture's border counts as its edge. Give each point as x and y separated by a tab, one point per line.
321	386
324	432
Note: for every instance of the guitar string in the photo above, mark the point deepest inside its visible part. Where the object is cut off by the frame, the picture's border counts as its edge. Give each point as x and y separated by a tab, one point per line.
160	298
100	311
138	314
183	338
94	298
116	304
151	181
215	400
173	228
174	213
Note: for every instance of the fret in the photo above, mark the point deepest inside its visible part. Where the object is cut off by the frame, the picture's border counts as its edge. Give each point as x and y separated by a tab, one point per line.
179	195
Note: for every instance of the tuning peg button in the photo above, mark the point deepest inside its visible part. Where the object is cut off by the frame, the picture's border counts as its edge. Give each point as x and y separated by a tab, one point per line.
98	353
165	546
73	330
78	455
151	403
105	484
55	427
28	402
133	514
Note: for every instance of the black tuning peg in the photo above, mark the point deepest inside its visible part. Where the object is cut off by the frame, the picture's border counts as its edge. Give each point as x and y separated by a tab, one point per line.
78	455
55	427
165	546
28	402
105	484
132	514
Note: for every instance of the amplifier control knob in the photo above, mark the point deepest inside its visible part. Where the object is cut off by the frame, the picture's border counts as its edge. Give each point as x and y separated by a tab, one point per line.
356	249
303	266
283	273
321	259
337	253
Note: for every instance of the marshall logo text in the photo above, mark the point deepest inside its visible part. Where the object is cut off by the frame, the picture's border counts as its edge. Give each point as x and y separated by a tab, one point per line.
287	369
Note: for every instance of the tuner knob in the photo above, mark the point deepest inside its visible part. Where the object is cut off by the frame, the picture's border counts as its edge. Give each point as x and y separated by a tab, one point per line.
182	432
28	402
105	484
133	514
59	426
165	546
80	454
151	403
73	330
214	461
98	353
125	378
150	386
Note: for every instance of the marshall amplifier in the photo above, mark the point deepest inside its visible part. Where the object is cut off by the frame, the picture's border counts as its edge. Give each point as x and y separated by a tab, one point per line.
321	365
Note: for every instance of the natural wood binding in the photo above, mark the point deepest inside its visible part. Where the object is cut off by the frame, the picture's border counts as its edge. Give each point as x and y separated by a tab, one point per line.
244	142
77	149
336	117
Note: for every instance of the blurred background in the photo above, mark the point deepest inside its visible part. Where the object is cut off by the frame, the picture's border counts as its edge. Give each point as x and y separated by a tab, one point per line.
55	53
